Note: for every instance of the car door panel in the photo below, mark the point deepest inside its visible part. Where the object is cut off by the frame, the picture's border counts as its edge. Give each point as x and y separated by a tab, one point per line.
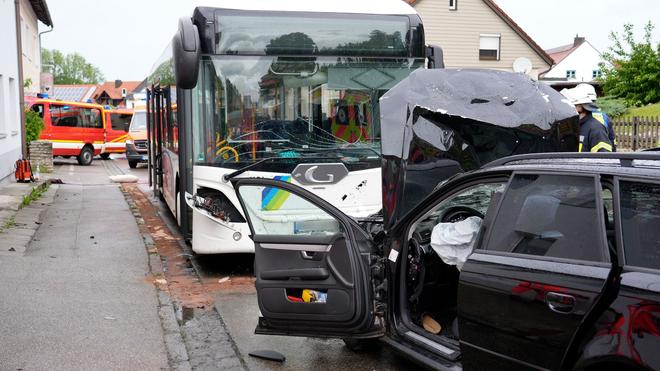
505	306
525	292
306	244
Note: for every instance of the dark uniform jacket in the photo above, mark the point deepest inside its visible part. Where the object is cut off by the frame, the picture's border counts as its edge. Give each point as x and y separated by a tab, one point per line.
593	135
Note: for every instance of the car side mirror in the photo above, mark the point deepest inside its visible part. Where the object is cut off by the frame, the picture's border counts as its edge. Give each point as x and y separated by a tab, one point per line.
186	50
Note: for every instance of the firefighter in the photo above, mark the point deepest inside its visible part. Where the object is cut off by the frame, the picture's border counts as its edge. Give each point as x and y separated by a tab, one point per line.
594	136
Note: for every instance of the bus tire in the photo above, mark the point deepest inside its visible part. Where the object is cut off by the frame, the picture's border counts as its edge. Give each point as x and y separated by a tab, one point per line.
86	156
132	164
105	156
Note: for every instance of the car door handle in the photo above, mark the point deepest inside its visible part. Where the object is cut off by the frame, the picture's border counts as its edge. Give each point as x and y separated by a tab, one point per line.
560	303
311	255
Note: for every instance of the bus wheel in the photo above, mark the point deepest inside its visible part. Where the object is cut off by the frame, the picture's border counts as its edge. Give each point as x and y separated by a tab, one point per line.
132	164
86	155
105	156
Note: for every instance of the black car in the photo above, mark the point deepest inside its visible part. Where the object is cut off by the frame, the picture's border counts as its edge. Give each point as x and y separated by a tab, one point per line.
562	272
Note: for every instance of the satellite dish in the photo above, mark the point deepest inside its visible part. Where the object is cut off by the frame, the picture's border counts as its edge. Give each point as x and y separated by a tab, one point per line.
522	65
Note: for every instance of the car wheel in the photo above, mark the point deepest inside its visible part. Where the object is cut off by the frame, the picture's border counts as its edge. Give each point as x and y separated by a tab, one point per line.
105	156
132	164
86	156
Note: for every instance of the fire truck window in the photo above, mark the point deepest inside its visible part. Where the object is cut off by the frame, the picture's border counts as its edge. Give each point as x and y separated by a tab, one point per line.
64	116
39	108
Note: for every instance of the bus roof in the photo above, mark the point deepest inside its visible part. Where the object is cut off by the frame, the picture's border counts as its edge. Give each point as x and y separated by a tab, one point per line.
385	7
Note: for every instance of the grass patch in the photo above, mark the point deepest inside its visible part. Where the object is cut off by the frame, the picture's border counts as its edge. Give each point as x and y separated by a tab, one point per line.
35	194
652	110
9	222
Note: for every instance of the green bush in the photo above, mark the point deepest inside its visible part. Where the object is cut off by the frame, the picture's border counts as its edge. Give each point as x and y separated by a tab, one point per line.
612	106
34	124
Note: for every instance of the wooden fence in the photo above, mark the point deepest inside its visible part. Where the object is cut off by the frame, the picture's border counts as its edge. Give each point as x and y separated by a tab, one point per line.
635	133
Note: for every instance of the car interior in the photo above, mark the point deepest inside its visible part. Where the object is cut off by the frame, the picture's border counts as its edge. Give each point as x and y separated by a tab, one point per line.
431	283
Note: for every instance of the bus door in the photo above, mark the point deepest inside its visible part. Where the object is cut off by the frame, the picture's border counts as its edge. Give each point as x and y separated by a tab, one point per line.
155	121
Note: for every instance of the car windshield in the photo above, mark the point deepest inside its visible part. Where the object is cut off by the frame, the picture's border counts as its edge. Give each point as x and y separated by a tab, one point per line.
139	122
250	108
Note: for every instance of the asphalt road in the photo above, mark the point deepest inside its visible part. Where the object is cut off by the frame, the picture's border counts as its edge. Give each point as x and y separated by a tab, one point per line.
235	299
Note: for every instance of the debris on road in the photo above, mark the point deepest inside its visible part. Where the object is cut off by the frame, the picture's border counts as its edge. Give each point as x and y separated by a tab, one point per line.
269	355
124	178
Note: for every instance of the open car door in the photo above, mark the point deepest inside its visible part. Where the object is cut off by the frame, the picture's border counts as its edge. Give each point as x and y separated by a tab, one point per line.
311	263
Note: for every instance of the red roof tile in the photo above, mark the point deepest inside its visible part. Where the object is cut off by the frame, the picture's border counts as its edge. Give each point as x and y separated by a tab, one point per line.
115	93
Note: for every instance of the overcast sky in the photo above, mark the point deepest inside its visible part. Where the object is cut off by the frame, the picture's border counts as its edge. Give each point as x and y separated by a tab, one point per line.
125	37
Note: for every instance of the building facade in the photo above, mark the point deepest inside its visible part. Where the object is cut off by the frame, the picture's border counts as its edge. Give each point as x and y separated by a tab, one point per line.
574	63
20	61
479	34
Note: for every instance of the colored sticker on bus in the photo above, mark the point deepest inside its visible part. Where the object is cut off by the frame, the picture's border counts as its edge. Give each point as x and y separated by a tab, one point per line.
273	198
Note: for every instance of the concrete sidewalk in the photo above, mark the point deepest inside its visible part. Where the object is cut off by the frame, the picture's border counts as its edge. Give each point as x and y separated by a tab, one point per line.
80	297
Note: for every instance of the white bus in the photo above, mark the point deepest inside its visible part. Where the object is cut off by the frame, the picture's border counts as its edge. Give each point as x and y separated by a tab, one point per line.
278	89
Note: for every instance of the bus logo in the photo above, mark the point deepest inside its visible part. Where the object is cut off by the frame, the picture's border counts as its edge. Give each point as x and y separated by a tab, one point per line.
316	174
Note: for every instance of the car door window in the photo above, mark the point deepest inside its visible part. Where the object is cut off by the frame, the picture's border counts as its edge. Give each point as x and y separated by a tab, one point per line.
64	116
640	222
550	215
276	211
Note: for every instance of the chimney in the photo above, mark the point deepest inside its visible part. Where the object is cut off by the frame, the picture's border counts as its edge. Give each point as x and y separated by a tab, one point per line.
578	40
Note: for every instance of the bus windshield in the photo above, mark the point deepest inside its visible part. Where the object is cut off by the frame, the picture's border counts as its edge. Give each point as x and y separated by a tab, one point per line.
254	107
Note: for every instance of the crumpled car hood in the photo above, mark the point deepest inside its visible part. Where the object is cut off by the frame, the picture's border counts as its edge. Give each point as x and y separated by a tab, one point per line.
439	122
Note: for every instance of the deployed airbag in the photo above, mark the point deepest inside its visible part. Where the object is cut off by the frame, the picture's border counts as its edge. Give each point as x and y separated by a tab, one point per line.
454	242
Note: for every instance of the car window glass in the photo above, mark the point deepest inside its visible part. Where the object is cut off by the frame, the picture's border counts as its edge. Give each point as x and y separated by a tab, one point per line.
276	211
473	201
640	222
120	121
39	108
549	215
64	116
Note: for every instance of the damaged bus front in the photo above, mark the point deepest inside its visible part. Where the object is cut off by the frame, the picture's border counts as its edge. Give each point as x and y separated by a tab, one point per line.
437	123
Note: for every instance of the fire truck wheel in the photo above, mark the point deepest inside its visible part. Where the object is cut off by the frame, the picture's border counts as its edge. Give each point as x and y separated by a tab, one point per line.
105	156
86	156
132	164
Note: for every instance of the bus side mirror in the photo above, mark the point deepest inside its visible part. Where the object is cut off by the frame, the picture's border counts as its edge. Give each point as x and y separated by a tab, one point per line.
186	50
435	57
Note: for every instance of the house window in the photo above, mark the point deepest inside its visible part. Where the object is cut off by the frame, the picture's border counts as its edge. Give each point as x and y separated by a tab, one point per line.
489	47
570	74
453	4
596	74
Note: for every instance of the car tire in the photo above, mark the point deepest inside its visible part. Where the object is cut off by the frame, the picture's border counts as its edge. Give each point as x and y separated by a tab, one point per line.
132	164
360	345
105	156
86	156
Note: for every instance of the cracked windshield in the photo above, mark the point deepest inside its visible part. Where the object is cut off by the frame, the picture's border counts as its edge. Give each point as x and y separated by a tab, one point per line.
291	106
261	107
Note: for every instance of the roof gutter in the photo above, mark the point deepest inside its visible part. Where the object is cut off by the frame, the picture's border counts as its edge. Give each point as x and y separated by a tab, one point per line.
21	90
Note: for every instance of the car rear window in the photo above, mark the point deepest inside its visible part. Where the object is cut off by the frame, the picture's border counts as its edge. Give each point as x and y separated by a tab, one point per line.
550	215
640	221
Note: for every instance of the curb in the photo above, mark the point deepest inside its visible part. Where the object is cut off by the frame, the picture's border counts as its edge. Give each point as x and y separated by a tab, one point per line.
177	354
21	228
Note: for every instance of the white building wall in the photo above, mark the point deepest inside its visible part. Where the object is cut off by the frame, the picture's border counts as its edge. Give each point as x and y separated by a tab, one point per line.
457	32
583	60
31	48
10	117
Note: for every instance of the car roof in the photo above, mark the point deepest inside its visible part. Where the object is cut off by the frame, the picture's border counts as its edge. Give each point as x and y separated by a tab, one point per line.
623	164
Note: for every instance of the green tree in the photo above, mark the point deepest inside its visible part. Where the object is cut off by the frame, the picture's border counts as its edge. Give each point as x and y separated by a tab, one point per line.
34	124
632	69
71	68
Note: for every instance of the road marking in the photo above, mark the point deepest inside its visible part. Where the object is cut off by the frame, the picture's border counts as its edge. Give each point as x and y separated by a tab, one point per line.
70	169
